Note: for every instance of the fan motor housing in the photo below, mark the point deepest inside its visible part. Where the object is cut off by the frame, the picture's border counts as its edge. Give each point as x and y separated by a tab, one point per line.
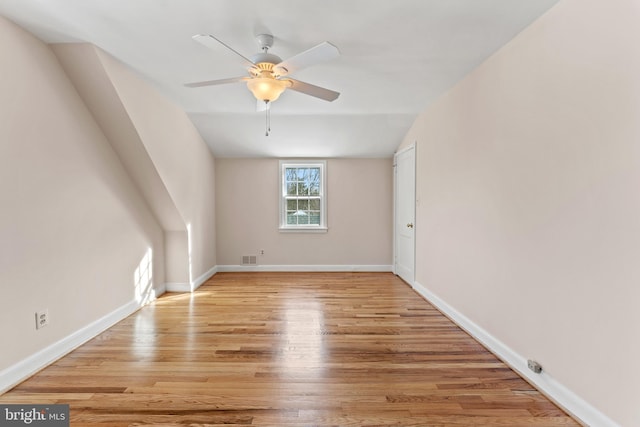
266	57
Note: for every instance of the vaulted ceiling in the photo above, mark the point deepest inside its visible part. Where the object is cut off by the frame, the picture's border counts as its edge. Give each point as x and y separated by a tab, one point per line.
396	58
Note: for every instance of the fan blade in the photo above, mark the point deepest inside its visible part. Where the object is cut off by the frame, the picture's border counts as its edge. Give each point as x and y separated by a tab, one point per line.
218	82
320	53
214	44
317	91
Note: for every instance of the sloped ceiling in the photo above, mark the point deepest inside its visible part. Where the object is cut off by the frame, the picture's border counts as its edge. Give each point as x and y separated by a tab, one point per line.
396	58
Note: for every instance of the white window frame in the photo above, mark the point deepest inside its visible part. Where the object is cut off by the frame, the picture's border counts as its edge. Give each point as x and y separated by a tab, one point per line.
306	228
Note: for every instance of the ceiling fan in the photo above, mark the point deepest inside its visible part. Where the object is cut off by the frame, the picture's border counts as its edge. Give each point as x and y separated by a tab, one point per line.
268	74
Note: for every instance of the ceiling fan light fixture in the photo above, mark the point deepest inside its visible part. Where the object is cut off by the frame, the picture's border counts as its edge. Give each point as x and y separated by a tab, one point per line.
267	89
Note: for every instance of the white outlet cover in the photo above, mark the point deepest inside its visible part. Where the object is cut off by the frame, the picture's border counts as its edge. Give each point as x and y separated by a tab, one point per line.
42	318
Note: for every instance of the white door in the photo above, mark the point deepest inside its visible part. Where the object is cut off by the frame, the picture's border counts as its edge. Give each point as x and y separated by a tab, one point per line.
405	213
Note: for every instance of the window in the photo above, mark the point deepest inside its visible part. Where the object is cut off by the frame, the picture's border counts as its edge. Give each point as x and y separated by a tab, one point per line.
303	195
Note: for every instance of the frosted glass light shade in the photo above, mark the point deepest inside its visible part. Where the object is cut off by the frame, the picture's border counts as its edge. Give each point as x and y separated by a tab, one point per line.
266	88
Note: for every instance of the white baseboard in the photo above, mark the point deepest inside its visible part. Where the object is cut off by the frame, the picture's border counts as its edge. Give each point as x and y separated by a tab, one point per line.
306	268
15	374
203	278
556	391
190	287
177	287
159	290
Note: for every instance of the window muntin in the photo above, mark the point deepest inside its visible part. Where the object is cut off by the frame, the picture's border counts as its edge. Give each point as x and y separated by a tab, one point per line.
302	194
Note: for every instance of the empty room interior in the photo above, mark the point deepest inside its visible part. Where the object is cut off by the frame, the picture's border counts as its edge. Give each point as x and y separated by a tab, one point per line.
305	213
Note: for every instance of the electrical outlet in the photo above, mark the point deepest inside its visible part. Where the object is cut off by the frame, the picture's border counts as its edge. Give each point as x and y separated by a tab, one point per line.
42	318
261	251
534	366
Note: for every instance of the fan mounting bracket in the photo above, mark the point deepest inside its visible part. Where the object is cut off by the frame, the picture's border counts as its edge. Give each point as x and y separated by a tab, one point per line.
265	41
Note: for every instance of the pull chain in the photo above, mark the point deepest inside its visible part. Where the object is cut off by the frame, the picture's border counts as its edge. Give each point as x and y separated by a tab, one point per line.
267	118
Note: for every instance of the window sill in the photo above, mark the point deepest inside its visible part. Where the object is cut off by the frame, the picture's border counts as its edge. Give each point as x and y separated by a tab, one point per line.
303	229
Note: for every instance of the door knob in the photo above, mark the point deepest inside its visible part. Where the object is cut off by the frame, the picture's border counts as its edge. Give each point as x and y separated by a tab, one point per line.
410	225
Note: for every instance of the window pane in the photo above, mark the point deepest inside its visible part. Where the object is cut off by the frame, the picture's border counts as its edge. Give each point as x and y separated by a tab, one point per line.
314	175
290	174
314	204
314	217
303	217
291	218
314	189
302	189
292	205
303	205
291	189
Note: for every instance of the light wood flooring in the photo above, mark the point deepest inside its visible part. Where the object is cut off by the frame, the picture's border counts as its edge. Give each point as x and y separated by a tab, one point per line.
289	349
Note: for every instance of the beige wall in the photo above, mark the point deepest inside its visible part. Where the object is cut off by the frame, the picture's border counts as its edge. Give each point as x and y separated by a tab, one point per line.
359	215
97	171
73	228
180	156
160	149
82	62
529	204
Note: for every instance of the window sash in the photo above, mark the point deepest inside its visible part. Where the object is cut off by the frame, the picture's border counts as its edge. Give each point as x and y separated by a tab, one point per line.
303	195
303	210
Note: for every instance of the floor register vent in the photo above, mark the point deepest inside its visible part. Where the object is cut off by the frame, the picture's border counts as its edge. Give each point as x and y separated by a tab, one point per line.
249	260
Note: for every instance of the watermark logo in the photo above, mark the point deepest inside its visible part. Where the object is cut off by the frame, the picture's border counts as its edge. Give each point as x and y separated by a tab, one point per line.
34	415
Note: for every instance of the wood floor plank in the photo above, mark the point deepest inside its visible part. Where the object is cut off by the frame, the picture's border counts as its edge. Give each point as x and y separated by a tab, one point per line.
289	349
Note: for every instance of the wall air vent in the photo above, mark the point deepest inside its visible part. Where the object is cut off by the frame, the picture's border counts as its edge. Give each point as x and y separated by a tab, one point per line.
249	260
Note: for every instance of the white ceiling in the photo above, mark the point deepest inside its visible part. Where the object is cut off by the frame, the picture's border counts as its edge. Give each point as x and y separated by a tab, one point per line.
397	57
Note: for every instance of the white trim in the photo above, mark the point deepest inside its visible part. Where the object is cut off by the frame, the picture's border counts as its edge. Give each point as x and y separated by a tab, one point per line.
308	268
394	214
283	165
405	149
22	370
190	287
303	230
203	278
178	287
553	389
159	290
